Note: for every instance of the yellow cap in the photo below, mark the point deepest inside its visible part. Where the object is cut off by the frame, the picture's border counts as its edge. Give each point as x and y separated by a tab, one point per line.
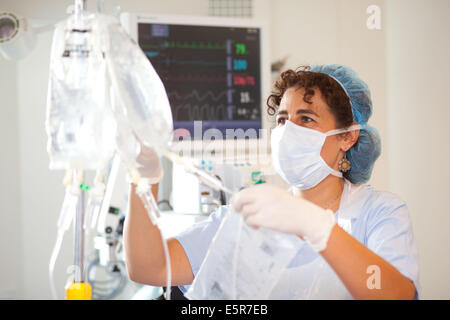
79	291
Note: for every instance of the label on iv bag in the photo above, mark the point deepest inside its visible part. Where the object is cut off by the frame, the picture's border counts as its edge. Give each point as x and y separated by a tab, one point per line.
243	263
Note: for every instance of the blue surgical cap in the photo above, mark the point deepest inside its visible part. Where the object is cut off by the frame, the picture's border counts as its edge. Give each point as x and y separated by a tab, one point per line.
366	151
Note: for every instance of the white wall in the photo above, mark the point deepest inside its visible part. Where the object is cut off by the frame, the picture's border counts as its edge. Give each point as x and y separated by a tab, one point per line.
418	69
41	190
51	9
10	231
334	31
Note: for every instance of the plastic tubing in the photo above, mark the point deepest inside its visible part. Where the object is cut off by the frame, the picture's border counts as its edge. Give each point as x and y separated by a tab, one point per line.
235	258
95	198
144	192
204	176
66	216
51	266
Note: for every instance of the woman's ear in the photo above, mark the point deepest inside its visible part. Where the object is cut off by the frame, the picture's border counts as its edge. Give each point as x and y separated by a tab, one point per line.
350	139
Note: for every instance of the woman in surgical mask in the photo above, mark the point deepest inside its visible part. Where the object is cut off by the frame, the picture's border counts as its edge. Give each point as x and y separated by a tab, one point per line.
359	241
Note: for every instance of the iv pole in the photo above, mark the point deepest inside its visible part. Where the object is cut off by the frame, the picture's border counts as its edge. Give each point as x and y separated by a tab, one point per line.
79	289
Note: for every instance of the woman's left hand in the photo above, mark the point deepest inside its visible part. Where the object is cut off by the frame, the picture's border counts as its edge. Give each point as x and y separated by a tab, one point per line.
271	207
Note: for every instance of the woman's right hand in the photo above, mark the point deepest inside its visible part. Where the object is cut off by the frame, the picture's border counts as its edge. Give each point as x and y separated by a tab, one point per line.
148	164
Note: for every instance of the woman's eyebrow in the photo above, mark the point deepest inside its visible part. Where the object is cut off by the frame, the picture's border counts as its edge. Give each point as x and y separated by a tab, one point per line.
282	112
306	111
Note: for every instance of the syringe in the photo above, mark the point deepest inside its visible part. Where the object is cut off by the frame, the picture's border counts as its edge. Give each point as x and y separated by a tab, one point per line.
201	174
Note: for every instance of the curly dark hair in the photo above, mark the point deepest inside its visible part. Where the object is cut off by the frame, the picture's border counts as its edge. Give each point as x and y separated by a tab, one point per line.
333	93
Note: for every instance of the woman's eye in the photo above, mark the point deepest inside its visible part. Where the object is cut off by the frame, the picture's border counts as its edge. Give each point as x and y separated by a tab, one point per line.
306	119
281	121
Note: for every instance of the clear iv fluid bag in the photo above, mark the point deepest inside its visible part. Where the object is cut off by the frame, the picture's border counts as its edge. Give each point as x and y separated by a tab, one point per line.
142	97
80	125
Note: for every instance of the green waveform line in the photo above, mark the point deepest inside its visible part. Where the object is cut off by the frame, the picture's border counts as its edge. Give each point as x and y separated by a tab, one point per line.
187	45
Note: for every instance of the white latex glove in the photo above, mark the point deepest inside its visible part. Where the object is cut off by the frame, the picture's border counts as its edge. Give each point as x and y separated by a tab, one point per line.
148	165
271	207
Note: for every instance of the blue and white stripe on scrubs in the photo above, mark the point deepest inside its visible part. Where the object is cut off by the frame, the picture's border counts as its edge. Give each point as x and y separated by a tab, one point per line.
379	220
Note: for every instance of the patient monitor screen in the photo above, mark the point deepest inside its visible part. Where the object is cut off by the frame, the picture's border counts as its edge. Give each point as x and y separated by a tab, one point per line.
211	74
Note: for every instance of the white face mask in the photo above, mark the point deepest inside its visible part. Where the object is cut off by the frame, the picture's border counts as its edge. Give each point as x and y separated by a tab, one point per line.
296	154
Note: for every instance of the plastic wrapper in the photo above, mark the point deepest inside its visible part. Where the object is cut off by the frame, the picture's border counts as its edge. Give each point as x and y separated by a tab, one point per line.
243	263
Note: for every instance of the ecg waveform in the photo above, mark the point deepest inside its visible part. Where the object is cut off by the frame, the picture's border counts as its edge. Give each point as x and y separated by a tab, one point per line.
169	61
192	111
186	45
197	96
195	78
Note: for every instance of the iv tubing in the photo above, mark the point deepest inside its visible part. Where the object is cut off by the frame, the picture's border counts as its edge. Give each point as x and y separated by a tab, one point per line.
64	221
235	258
204	176
54	256
79	258
149	202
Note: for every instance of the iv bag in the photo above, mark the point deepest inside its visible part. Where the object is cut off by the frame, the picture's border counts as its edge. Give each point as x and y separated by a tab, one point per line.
142	97
79	123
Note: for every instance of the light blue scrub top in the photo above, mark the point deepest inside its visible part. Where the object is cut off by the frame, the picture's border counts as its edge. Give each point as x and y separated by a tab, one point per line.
379	220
